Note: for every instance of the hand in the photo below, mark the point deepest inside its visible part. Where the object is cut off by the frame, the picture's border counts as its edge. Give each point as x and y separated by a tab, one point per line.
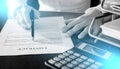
79	23
23	16
96	27
69	20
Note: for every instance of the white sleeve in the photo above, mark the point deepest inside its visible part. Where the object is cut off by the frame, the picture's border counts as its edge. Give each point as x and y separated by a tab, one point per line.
94	11
100	8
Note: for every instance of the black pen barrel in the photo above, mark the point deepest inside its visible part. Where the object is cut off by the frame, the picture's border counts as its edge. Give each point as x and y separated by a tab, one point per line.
32	25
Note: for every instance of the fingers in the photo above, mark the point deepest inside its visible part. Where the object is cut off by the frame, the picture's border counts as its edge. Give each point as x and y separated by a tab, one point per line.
26	16
77	24
76	28
83	33
72	24
97	27
23	16
27	20
67	27
20	20
68	21
96	31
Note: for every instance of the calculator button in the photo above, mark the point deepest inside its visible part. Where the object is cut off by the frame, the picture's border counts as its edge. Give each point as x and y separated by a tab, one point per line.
65	67
86	63
94	66
75	62
82	66
51	61
98	63
79	59
61	56
77	54
63	62
77	67
91	60
89	68
56	59
66	54
71	52
70	65
58	65
72	56
84	57
68	59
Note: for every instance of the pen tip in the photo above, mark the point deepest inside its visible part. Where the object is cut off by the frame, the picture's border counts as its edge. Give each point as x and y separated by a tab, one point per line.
33	39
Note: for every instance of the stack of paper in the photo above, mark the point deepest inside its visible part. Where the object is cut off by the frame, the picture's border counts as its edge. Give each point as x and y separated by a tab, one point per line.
112	29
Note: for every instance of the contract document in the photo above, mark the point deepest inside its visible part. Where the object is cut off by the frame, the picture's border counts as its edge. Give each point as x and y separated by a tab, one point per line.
14	40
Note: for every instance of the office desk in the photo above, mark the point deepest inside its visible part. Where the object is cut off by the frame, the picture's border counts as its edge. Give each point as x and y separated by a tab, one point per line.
32	61
37	61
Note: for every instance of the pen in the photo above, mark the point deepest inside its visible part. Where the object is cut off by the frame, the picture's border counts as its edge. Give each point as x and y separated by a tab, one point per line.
32	25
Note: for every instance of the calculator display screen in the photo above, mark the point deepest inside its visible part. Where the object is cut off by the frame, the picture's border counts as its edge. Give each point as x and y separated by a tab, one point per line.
95	50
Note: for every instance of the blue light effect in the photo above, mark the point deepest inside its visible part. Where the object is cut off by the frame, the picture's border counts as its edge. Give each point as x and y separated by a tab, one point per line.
3	7
114	60
114	63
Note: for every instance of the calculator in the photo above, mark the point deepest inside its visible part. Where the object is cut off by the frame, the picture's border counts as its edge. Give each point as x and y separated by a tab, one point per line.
84	56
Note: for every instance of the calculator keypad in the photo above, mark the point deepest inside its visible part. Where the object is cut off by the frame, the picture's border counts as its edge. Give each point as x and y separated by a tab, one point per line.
73	60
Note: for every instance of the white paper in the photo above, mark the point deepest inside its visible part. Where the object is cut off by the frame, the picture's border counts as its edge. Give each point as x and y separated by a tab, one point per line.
111	29
14	40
